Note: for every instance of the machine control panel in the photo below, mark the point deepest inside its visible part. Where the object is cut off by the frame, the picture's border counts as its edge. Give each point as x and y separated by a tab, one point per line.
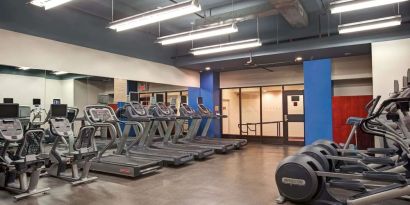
139	109
61	126
11	130
101	115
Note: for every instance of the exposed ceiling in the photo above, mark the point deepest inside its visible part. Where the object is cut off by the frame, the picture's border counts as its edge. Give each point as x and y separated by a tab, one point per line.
288	28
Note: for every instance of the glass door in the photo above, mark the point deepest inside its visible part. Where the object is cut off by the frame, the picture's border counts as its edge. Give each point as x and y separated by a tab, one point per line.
293	117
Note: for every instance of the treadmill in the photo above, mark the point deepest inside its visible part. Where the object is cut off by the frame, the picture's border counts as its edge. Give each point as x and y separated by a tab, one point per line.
190	138
145	128
165	120
207	114
101	116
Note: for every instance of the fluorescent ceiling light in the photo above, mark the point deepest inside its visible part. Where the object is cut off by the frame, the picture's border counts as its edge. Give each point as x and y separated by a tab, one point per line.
24	68
157	15
60	73
370	24
48	4
198	34
352	5
252	43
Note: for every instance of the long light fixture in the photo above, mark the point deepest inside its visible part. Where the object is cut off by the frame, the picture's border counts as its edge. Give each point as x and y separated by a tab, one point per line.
60	73
238	45
370	24
198	34
24	68
157	15
48	4
352	5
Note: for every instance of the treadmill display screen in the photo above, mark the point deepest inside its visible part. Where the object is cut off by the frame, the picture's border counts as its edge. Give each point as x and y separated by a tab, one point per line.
36	101
200	101
8	100
160	97
134	97
8	110
184	99
58	110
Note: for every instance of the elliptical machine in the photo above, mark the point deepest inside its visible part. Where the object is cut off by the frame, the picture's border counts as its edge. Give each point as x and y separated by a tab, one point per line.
24	164
304	178
77	152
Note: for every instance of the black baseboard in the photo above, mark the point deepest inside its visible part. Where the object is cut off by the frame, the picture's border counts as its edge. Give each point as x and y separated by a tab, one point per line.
265	140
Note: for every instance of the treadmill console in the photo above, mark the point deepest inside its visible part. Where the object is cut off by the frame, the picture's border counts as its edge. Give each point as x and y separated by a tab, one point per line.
101	115
61	126
204	110
162	109
139	109
186	110
10	126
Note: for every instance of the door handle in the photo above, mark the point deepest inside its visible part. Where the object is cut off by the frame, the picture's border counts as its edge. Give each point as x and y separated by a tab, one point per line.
285	118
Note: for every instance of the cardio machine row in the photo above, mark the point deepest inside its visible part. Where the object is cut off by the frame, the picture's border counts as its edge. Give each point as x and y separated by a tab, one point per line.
371	176
24	158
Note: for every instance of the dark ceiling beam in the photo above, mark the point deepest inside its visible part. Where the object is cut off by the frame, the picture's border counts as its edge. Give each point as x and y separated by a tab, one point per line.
303	45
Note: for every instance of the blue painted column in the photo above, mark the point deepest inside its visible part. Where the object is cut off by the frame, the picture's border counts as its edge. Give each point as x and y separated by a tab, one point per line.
318	100
210	92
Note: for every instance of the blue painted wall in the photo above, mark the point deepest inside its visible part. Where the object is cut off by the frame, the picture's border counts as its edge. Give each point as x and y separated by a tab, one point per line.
318	100
209	91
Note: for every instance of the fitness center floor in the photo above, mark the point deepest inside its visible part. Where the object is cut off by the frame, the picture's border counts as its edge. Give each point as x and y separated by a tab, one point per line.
245	177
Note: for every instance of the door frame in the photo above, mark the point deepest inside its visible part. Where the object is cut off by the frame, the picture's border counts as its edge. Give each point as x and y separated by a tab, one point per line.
297	118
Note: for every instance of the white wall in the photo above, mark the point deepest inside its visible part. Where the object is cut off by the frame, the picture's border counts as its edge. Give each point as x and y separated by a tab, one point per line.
354	67
258	77
390	62
357	87
24	50
24	88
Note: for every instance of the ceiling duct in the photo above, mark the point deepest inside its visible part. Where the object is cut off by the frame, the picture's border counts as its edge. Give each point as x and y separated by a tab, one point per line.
293	11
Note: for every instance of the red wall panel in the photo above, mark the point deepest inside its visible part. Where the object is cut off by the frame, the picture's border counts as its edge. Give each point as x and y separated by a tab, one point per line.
350	106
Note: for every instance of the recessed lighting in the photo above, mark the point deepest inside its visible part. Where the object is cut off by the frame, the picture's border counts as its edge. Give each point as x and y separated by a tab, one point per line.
24	68
208	68
60	73
298	59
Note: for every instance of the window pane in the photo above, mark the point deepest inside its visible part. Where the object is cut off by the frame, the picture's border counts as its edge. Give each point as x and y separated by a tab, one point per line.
174	97
272	108
296	131
250	99
230	107
145	99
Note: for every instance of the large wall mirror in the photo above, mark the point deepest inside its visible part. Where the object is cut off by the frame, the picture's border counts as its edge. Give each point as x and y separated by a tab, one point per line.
35	89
